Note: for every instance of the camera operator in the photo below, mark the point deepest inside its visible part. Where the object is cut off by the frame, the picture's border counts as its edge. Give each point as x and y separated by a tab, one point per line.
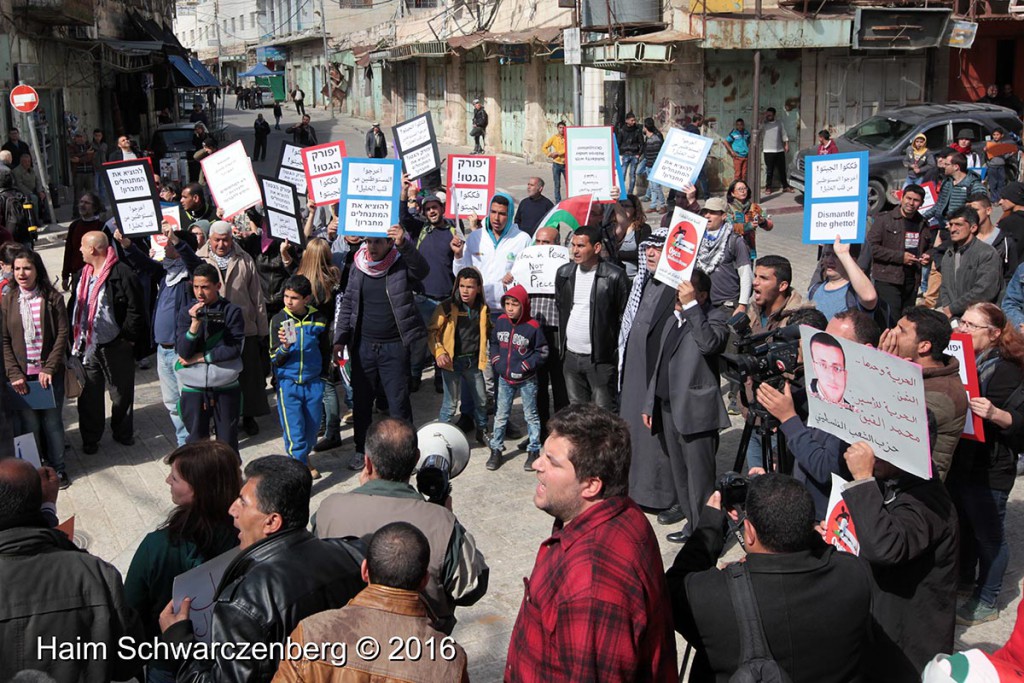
818	455
458	572
209	337
687	421
814	601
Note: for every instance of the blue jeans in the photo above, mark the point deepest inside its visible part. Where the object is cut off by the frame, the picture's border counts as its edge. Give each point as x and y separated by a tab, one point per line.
506	394
420	356
557	172
629	163
982	537
657	195
465	372
47	426
170	392
332	410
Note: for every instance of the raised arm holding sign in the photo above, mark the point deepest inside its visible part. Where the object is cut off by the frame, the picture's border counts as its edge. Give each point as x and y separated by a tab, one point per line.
135	200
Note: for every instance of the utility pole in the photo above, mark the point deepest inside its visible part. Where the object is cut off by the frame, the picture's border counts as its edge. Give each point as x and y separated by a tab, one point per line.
577	70
327	60
757	134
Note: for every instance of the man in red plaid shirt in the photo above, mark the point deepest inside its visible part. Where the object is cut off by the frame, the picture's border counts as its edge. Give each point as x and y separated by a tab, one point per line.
596	605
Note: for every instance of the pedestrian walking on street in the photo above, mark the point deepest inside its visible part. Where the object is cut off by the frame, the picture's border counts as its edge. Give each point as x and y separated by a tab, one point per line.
376	143
277	115
262	130
299	97
776	144
479	127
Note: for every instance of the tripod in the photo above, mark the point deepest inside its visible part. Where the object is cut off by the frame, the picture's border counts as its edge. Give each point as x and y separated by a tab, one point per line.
776	458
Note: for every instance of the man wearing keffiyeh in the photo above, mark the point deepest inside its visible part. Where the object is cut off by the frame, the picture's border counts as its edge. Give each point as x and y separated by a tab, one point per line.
107	320
379	323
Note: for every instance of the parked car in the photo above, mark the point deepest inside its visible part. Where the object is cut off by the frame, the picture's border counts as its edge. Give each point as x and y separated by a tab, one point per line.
174	141
887	135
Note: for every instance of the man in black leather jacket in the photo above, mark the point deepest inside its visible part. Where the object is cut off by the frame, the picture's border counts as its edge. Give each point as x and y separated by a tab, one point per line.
282	575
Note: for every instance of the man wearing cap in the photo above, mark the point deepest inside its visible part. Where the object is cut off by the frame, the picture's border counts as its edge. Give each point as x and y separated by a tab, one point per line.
1011	200
479	126
433	237
240	285
174	295
965	145
958	184
725	257
376	145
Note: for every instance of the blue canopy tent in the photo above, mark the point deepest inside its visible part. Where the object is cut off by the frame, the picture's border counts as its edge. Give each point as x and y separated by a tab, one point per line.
259	70
272	80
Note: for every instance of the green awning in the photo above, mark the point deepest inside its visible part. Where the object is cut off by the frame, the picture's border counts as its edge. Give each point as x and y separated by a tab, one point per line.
344	58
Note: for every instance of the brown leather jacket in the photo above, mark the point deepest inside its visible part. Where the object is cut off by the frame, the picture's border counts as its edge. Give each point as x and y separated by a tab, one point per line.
410	650
55	335
888	240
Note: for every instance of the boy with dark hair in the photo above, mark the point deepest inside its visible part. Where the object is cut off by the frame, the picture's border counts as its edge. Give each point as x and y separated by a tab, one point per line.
457	335
521	350
298	346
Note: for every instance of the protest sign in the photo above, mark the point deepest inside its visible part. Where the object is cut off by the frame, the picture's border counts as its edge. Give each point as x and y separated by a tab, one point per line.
535	267
840	527
836	198
679	255
290	167
200	584
370	190
416	146
281	207
681	158
158	247
471	181
591	163
231	181
322	166
961	347
171	214
859	393
25	448
135	202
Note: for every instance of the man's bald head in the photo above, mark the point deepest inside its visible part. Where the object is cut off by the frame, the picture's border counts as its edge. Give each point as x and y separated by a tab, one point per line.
391	449
96	240
546	236
21	492
534	186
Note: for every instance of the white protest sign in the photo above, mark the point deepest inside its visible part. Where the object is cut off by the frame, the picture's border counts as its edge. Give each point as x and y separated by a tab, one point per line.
416	145
840	527
135	201
201	584
681	159
281	205
536	265
171	214
471	182
290	168
370	196
158	245
836	198
323	171
231	181
590	163
859	393
25	448
679	254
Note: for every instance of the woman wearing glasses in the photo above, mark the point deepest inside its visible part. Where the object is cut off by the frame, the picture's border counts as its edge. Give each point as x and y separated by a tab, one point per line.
982	474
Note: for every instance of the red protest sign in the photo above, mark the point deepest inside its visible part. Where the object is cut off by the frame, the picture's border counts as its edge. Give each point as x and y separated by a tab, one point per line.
322	165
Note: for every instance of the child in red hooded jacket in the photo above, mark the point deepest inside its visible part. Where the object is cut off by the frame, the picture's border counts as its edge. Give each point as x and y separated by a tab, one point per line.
521	350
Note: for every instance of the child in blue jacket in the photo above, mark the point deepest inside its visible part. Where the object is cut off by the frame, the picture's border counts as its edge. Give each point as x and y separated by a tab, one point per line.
521	350
298	361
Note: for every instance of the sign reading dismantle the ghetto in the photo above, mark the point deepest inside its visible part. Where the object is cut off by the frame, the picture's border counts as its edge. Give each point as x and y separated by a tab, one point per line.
836	198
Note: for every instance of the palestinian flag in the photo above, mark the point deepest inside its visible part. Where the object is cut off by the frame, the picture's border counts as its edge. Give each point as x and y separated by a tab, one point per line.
970	666
574	212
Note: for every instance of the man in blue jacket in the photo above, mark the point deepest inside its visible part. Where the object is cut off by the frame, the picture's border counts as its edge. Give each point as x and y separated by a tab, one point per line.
379	324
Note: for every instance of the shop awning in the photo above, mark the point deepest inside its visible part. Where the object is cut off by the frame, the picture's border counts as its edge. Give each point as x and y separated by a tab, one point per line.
193	72
548	34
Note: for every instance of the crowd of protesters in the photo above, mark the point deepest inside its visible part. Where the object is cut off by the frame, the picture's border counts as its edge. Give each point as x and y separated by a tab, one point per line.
342	326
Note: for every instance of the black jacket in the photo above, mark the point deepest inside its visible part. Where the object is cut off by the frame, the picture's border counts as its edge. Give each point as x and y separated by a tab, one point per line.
376	145
908	532
815	606
270	268
56	593
411	266
125	294
480	118
887	238
262	129
265	592
607	302
630	139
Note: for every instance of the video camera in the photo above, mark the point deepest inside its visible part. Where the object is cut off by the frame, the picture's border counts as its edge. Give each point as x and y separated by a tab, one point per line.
210	315
762	357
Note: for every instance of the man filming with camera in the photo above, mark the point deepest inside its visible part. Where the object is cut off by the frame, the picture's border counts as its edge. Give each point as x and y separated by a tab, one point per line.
813	602
208	340
458	572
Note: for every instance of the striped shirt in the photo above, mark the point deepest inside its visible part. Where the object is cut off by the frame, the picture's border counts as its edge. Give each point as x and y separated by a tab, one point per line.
34	348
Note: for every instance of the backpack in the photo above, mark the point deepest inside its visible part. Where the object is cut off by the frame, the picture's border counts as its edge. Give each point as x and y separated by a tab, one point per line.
756	662
14	216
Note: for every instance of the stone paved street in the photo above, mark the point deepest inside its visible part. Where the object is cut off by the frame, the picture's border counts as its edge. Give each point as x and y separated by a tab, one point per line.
119	494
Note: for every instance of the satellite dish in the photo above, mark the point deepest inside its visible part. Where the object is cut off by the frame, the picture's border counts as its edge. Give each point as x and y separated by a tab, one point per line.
444	440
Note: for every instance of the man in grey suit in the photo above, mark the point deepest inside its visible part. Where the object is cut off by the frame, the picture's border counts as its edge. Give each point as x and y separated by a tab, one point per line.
684	406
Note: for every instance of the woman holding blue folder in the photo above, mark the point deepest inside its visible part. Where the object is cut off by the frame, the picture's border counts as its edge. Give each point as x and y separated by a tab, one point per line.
35	341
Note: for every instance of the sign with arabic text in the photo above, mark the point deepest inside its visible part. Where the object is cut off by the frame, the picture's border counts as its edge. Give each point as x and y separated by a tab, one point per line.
370	192
836	198
133	191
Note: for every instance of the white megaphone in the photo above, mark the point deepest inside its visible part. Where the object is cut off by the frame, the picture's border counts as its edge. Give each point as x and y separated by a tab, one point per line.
444	453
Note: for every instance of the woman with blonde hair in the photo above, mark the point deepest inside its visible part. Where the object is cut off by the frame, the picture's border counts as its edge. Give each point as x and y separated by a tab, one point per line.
325	277
205	479
982	474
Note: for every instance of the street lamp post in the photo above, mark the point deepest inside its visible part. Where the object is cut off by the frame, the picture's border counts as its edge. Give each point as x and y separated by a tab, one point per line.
327	60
